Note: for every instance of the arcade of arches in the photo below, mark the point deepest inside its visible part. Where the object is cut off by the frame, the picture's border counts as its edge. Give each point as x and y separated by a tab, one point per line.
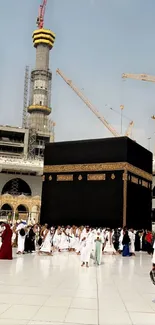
17	202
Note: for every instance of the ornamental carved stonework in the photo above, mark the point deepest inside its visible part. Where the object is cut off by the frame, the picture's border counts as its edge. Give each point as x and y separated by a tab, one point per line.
15	201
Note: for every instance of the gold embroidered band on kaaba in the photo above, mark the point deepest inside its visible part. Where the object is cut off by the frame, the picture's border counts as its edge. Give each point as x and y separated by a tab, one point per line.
98	168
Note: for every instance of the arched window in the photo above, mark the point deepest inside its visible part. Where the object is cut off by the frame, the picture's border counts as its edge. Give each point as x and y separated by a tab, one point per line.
6	210
6	207
22	208
16	186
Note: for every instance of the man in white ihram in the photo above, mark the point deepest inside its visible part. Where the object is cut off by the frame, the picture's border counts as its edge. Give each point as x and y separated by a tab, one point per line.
132	242
87	247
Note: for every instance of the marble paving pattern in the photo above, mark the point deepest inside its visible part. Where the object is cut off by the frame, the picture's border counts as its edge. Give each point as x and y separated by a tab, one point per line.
56	290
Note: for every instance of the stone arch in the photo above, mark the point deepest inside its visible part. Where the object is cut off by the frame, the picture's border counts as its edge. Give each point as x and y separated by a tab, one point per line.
17	186
6	211
7	207
22	208
22	211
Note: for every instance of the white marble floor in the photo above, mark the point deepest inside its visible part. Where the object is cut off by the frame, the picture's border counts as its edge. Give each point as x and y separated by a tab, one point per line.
56	290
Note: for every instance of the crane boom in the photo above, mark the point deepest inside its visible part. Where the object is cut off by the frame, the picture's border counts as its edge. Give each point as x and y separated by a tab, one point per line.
129	129
143	77
40	18
88	103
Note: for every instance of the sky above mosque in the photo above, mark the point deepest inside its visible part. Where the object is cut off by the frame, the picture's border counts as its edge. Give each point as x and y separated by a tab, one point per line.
96	41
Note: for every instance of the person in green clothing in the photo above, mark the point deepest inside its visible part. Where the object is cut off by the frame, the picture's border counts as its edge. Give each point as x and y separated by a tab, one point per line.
98	247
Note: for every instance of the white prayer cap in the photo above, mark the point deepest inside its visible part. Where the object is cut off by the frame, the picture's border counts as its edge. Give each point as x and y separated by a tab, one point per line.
98	231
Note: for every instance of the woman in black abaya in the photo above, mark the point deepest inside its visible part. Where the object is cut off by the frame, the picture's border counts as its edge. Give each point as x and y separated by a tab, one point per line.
30	241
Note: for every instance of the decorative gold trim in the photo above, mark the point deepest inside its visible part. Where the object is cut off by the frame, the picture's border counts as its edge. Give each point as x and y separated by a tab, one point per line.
80	178
125	176
145	184
84	167
64	178
96	177
46	109
50	178
134	179
97	168
45	31
139	172
125	182
113	176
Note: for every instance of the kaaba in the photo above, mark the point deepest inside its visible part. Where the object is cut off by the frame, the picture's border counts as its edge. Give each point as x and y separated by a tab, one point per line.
101	182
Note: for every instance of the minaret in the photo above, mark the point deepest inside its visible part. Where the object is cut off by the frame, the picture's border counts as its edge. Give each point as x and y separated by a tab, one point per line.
41	77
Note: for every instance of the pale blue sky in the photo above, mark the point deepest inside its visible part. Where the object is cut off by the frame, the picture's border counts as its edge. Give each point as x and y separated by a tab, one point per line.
96	41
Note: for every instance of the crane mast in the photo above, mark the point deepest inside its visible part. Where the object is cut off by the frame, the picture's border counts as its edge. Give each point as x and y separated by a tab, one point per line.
88	103
40	18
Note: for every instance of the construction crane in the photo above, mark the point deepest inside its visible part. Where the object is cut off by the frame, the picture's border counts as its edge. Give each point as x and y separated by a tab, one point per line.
130	126
143	77
40	18
129	129
131	123
88	103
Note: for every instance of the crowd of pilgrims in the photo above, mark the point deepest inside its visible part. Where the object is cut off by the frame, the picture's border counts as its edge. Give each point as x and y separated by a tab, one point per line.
84	241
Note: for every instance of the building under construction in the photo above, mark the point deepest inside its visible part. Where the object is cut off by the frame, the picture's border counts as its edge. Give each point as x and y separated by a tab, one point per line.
22	148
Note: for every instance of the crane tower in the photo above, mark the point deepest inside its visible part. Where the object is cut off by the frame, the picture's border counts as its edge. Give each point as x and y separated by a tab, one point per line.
39	107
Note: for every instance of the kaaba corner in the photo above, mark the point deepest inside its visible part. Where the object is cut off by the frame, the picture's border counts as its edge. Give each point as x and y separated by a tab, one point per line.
101	182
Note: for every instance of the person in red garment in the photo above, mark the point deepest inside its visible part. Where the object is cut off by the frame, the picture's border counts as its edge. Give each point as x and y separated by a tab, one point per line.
6	248
148	240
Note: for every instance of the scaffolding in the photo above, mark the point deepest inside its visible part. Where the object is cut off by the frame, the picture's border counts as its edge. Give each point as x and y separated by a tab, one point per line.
25	101
49	91
52	138
32	143
14	187
40	122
